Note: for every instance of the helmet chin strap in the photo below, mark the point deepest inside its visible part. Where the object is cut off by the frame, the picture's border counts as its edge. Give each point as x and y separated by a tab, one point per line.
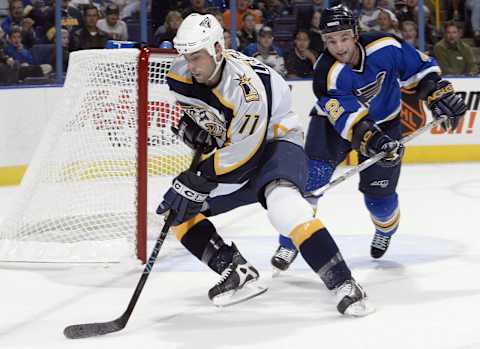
217	67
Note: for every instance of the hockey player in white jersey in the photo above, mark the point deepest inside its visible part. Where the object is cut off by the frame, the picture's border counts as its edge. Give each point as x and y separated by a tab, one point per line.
238	111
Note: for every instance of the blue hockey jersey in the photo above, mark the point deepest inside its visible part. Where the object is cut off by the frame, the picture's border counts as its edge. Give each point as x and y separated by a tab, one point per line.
370	90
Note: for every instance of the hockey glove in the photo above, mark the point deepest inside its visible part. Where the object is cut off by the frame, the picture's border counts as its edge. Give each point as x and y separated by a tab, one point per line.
443	102
186	196
194	136
369	140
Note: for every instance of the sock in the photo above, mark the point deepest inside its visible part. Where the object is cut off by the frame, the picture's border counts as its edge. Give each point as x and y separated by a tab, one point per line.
384	212
321	253
199	236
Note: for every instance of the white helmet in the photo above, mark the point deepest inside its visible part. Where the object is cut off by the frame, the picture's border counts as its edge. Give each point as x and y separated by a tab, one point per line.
199	32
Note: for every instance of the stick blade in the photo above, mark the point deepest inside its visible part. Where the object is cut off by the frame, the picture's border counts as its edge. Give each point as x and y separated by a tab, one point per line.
92	329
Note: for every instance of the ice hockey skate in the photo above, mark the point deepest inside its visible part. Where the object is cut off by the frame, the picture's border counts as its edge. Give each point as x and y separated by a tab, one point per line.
352	299
379	246
282	259
238	283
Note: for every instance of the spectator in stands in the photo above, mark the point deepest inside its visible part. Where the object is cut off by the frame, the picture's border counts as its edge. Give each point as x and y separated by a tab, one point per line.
198	6
17	18
218	15
453	55
243	6
161	8
407	10
409	32
316	41
132	9
274	9
112	25
387	22
227	37
71	18
367	21
474	7
12	70
247	34
354	5
8	73
265	51
172	23
15	48
386	4
300	61
65	52
38	13
456	6
89	36
305	14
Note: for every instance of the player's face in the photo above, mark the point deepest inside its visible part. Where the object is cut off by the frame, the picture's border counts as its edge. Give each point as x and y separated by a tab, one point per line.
341	45
200	64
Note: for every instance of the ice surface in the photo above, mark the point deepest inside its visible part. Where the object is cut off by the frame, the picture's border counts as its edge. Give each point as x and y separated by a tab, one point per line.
426	288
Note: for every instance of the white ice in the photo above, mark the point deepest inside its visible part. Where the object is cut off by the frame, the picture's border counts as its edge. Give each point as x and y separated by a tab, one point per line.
426	289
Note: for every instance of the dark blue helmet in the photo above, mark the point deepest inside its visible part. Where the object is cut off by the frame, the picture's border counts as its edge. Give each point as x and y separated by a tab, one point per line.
337	18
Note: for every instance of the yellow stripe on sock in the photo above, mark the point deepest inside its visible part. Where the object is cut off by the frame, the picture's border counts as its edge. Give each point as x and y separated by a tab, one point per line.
304	231
182	229
388	225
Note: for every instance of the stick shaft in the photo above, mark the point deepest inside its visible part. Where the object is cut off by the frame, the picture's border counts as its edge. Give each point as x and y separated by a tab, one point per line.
101	328
370	161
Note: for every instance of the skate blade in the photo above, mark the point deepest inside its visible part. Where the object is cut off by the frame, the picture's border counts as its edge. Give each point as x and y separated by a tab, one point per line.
360	309
247	292
276	272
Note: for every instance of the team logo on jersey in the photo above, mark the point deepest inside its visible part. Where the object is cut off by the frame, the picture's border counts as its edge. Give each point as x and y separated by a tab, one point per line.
205	23
207	120
370	91
249	92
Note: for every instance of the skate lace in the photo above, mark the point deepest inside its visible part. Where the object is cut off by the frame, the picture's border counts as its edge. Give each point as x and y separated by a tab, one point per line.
286	254
224	276
345	289
380	241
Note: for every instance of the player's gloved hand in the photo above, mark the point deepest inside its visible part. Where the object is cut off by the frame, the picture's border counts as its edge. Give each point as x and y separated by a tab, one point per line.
369	140
443	102
186	196
194	136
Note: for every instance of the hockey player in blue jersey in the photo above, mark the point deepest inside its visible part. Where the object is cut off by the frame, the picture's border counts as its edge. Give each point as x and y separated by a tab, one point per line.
254	152
357	83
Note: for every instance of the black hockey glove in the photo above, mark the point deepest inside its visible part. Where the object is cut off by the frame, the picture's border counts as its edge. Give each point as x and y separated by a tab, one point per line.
369	140
443	101
186	196
194	136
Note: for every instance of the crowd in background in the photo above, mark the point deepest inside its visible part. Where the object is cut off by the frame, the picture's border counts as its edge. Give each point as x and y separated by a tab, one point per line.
281	33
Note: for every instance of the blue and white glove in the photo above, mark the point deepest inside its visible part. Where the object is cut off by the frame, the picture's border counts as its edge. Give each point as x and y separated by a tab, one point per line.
186	196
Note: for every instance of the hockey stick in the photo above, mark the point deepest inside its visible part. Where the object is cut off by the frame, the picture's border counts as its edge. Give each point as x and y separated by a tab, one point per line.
370	161
101	328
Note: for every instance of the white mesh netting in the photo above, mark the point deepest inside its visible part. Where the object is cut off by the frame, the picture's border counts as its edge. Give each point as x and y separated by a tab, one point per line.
78	197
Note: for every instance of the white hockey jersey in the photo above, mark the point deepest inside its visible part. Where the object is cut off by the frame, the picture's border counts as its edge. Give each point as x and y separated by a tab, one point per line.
255	103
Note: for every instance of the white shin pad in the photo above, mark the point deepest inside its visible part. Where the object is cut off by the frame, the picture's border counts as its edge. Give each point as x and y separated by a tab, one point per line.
286	206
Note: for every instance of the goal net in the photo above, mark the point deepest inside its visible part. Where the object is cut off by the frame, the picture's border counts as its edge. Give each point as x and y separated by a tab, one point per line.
84	196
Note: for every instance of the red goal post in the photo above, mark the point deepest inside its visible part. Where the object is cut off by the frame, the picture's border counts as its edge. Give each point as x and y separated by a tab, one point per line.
105	159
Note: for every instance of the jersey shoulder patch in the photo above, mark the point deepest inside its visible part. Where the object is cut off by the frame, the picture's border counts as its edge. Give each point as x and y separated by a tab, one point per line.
374	41
179	73
329	74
